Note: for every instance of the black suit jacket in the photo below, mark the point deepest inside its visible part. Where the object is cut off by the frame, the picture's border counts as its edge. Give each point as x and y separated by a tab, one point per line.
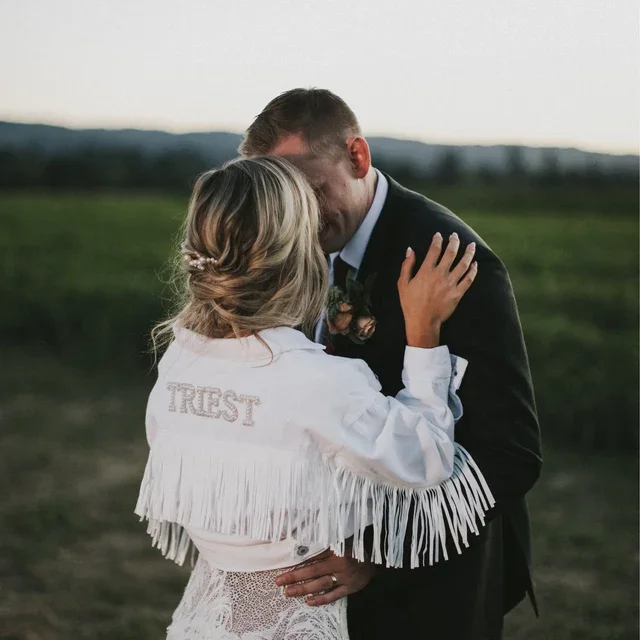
464	598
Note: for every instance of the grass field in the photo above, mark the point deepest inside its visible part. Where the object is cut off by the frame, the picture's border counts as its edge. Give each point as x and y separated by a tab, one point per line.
83	276
82	281
75	564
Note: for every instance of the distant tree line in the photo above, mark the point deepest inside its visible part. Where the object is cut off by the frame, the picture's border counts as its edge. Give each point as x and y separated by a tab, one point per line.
93	168
100	168
450	170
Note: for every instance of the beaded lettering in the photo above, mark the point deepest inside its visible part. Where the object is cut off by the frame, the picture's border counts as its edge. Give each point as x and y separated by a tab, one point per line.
205	402
250	402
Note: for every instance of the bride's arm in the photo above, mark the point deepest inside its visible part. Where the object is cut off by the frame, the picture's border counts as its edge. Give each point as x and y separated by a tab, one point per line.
407	441
394	455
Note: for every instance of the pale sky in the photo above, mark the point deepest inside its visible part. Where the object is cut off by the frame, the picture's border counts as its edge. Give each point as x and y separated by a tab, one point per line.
539	72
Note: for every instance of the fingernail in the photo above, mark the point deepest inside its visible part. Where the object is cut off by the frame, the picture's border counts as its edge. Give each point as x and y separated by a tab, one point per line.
473	245
475	265
409	250
438	235
454	235
279	581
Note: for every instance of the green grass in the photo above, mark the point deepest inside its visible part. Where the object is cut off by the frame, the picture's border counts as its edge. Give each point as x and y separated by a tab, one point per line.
82	283
83	276
82	272
576	281
585	543
75	563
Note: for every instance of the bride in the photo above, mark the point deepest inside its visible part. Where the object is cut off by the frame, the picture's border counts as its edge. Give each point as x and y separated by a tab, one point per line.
264	450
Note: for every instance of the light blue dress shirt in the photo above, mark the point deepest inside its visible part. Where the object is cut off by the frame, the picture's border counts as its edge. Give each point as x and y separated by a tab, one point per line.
354	250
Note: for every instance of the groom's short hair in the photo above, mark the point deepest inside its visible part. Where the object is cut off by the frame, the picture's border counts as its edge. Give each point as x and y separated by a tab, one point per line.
323	119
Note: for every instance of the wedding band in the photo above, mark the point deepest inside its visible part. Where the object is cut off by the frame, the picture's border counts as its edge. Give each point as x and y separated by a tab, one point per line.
334	579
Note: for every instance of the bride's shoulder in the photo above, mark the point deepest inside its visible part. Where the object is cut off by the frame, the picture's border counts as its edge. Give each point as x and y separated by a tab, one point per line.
358	370
348	374
330	389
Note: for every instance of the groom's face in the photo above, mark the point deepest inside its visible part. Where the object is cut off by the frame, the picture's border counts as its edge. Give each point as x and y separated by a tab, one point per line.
337	185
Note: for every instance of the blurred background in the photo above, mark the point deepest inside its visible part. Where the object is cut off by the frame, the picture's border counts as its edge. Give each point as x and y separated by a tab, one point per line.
521	117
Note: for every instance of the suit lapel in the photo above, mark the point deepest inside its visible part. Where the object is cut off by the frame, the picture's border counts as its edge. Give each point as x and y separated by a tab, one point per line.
381	240
383	257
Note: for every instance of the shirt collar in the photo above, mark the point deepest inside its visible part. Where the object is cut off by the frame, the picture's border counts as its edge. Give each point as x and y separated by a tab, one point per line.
279	340
354	250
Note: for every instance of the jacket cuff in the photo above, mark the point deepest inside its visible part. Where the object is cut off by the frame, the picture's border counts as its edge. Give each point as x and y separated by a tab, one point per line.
433	363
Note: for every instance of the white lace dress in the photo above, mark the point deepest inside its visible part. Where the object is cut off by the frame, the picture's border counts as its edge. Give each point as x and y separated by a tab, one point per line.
227	605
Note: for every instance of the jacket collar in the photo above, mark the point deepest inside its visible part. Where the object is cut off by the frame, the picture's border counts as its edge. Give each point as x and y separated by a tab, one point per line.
279	340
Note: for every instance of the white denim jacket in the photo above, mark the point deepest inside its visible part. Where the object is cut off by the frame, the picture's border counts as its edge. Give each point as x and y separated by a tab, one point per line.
264	452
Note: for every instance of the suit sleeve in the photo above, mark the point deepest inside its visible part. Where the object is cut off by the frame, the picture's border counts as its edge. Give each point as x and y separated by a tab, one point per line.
499	427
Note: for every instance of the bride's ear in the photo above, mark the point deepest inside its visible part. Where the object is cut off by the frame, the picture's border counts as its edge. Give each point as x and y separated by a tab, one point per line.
360	156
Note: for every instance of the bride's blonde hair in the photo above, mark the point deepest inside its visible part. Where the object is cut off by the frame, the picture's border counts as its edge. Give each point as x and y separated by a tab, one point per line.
249	258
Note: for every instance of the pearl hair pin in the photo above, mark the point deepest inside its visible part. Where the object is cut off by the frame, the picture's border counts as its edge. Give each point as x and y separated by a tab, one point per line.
199	261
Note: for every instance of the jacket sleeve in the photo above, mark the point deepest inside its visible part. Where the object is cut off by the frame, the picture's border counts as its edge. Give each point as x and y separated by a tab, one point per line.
406	440
499	427
398	455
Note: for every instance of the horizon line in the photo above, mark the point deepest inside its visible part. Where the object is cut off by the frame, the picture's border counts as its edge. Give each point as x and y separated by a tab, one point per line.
406	137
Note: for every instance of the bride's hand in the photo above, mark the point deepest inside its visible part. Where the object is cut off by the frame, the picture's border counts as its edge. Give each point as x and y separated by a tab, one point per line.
431	296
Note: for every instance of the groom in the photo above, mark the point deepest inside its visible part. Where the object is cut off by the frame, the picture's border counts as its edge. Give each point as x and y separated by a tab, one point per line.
369	221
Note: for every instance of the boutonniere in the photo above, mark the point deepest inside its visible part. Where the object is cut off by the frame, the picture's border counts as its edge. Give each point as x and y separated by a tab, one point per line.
349	311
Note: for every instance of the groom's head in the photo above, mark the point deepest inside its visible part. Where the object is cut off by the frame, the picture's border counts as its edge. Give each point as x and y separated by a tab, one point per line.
318	132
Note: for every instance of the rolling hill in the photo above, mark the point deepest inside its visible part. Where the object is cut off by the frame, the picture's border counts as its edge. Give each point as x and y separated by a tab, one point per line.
218	146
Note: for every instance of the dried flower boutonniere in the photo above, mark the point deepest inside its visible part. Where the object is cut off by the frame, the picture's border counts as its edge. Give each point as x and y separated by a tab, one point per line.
349	312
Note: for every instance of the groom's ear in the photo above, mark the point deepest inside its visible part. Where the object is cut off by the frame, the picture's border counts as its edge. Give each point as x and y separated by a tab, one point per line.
360	156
